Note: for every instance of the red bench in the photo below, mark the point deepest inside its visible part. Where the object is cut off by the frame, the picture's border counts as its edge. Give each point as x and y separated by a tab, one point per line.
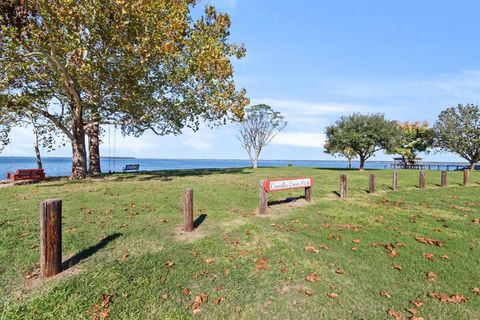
27	174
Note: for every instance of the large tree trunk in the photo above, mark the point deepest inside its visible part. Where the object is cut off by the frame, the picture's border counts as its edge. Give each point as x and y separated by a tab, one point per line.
362	162
79	153
93	133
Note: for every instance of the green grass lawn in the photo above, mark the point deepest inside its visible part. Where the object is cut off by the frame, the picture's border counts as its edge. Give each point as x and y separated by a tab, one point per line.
332	259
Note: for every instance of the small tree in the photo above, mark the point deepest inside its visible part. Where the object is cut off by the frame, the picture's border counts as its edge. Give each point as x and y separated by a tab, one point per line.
259	126
458	130
364	134
416	137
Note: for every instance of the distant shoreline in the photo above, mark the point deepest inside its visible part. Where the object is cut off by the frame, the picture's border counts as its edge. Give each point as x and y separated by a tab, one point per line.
213	159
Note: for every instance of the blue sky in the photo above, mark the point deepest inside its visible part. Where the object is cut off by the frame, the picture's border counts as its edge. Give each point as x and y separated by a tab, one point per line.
316	60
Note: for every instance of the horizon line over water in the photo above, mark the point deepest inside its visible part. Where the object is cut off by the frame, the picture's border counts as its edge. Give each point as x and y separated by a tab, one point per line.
61	166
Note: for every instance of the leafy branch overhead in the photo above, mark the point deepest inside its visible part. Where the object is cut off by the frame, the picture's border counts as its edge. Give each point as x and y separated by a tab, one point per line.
139	65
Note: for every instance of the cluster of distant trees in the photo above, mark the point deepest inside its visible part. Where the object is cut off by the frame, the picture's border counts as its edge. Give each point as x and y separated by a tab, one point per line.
456	130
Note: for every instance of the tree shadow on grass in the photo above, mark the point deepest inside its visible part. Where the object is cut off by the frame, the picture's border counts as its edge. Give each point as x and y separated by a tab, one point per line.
88	252
168	175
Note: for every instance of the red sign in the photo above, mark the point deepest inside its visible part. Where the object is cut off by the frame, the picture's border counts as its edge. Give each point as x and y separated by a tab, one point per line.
286	184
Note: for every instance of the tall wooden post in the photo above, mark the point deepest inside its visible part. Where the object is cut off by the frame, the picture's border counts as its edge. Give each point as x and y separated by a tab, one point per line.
343	186
395	180
263	199
188	210
50	238
444	180
308	194
466	175
371	185
422	179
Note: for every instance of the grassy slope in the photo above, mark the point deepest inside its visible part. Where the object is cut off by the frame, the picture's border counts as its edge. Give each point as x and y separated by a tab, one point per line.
141	213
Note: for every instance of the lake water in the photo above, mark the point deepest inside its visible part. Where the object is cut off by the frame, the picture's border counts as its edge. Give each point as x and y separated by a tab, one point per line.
62	166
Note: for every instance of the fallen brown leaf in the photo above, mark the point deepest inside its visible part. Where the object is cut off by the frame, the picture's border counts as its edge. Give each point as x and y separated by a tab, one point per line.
165	296
262	264
445	257
187	292
219	300
395	314
428	256
397	267
311	249
475	290
209	260
430	241
340	271
313	277
357	241
385	294
454	298
412	310
333	295
417	303
169	264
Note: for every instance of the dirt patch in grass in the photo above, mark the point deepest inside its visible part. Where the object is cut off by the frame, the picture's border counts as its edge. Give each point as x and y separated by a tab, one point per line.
33	281
181	236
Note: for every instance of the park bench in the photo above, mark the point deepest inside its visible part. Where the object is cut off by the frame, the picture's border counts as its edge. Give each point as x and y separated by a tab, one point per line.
27	174
131	167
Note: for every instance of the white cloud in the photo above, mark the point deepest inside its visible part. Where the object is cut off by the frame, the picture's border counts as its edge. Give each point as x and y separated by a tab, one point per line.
312	108
199	140
300	139
462	85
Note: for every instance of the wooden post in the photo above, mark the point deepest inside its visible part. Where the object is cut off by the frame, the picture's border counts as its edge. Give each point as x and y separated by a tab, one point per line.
308	194
263	204
466	175
371	185
444	180
188	210
422	179
343	186
395	180
50	238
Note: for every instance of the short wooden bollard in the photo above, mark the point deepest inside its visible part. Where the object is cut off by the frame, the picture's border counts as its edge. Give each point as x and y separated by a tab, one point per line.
263	199
422	179
343	186
50	238
395	180
444	180
308	194
188	210
466	176
371	185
